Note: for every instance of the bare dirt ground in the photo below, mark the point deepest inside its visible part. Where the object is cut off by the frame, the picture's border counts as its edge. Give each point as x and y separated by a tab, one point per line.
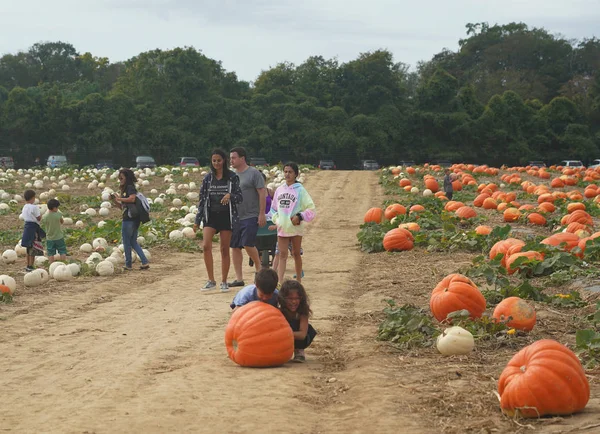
144	352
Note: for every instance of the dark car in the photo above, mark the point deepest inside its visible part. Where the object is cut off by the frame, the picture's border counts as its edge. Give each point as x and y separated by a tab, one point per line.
327	165
188	162
143	161
537	163
370	165
104	164
258	161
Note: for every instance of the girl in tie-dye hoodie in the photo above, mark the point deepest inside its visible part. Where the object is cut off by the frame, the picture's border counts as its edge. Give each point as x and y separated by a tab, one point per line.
292	208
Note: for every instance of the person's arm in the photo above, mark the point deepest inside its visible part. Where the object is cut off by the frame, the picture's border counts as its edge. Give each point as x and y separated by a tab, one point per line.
307	207
301	334
262	205
38	215
203	198
236	192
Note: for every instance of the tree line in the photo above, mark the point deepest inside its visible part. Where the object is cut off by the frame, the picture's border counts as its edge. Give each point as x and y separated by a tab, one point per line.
508	95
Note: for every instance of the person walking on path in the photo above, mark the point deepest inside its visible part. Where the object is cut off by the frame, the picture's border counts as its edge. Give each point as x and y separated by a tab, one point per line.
220	194
293	208
131	221
448	189
251	213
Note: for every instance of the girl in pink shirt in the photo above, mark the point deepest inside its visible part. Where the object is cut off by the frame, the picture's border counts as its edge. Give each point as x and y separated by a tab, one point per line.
292	208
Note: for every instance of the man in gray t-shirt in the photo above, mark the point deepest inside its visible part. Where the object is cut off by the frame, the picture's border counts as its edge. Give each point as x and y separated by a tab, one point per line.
251	214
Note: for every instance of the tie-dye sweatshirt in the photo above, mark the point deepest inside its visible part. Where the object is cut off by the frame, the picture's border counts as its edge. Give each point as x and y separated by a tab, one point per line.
288	201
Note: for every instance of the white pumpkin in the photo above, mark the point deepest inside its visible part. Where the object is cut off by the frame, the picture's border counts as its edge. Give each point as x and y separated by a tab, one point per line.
62	273
177	202
86	248
99	242
93	258
159	201
175	235
79	224
188	233
147	254
9	256
8	281
68	221
104	212
414	190
53	267
40	261
105	268
455	341
91	212
43	273
75	269
32	278
141	240
427	192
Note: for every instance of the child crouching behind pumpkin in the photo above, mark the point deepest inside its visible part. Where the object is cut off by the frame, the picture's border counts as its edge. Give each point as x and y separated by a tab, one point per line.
294	305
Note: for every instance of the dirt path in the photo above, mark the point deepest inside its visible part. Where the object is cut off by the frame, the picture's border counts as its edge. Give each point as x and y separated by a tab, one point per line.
145	352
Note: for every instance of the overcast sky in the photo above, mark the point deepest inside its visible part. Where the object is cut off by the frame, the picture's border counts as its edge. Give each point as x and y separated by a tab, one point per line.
252	35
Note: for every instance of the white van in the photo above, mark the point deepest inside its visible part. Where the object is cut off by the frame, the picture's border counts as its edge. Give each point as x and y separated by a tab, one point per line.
56	161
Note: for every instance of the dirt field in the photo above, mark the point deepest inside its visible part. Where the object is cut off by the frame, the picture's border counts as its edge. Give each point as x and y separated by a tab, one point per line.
144	352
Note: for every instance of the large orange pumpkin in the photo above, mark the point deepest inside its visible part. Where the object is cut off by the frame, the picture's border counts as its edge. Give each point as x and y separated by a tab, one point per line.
456	292
511	215
531	254
393	210
258	335
503	246
536	219
483	230
374	215
432	184
466	212
544	378
570	240
397	240
521	314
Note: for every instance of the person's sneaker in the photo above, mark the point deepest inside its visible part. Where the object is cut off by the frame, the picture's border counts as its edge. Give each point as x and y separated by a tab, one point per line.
29	269
224	287
302	274
237	283
209	285
299	356
127	268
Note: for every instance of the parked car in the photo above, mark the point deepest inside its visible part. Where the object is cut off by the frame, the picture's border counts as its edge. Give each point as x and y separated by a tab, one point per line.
537	163
595	164
370	165
188	161
144	161
327	165
408	163
56	161
7	163
572	163
258	161
104	164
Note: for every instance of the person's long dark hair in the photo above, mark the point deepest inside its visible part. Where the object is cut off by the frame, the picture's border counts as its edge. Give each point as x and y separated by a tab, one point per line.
130	179
286	288
226	171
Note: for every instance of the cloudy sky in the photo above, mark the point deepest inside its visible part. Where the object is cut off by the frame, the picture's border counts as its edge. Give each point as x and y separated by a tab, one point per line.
251	35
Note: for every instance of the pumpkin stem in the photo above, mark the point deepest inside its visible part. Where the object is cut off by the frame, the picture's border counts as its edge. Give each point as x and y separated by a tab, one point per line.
523	368
235	345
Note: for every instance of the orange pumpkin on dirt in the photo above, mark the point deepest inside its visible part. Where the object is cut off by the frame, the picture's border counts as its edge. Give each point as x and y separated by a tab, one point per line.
374	215
411	226
574	206
478	202
417	208
483	230
5	290
547	207
394	210
516	312
503	246
490	203
569	240
456	292
404	182
511	214
544	378
536	219
466	212
398	239
453	205
258	336
432	185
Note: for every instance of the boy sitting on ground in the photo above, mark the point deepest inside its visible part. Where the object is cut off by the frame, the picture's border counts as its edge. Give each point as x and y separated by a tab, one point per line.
264	289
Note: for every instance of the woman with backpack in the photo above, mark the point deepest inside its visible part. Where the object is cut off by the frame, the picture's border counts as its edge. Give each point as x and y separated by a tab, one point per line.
217	212
131	218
